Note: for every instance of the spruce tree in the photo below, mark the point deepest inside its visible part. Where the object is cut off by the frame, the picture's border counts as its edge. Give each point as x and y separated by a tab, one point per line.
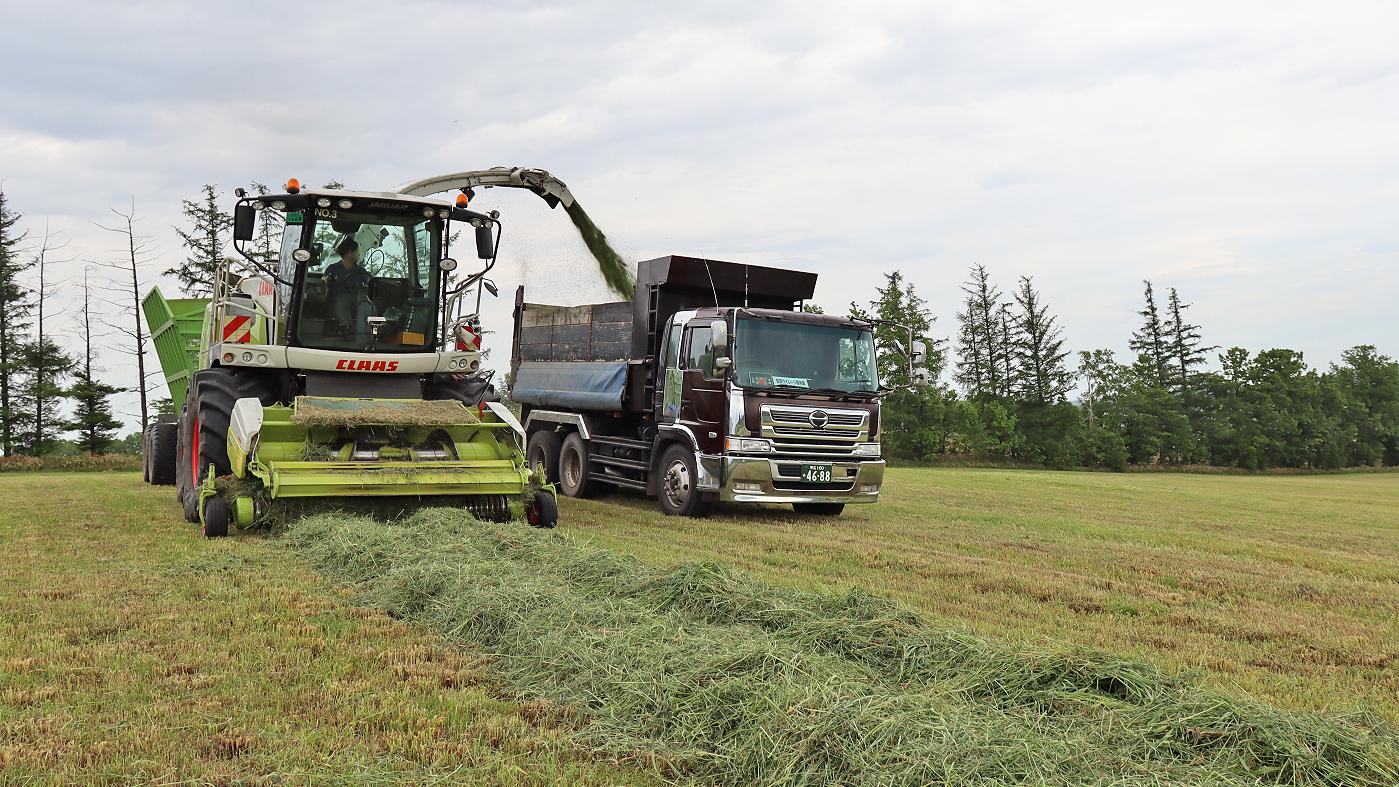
92	411
980	347
1151	342
15	306
44	366
1185	345
1039	348
204	240
267	241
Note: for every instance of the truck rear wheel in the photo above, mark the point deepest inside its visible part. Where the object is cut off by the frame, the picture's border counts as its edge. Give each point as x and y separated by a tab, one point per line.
819	509
678	488
575	477
542	452
162	446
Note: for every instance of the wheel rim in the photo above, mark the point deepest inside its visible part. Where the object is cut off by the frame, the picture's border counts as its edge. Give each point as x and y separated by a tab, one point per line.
677	484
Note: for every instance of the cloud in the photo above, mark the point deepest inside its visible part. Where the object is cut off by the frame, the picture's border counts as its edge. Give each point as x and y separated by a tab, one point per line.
1242	153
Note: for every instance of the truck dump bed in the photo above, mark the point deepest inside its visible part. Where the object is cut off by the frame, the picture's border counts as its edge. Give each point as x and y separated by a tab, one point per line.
602	356
176	326
573	357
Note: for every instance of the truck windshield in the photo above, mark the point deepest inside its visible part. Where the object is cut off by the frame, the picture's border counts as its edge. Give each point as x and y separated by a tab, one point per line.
365	267
776	354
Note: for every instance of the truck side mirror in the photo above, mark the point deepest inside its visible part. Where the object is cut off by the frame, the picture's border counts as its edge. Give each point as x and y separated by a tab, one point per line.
719	338
917	353
485	242
921	378
243	219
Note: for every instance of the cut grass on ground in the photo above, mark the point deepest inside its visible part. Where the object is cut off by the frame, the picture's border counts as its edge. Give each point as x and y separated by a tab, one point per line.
1286	586
705	672
133	650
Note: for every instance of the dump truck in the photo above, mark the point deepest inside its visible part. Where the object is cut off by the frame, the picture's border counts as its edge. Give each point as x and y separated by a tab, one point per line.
344	364
712	384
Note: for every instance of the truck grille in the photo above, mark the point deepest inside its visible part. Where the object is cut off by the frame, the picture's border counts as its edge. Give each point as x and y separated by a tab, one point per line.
814	430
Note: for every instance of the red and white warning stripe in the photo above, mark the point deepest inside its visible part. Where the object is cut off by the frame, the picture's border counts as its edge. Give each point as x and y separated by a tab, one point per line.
238	329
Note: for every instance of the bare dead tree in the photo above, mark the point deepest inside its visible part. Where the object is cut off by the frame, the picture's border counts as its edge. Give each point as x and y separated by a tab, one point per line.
125	294
47	363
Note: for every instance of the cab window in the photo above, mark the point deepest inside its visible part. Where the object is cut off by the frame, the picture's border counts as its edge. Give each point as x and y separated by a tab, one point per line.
700	352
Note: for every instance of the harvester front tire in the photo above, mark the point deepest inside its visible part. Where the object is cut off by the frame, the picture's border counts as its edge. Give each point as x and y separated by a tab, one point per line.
216	517
543	511
819	509
215	392
162	461
189	500
677	487
542	451
575	476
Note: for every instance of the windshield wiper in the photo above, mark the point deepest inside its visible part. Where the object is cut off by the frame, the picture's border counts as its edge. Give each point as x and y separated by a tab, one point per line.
823	391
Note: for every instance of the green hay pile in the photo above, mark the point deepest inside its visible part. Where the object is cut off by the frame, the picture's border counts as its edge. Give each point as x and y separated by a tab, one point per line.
613	268
314	411
700	671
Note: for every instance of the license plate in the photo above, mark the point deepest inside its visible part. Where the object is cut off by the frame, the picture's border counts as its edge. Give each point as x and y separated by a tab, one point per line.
816	474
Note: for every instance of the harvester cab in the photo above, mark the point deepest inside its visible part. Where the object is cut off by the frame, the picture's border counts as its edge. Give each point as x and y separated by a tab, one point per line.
343	358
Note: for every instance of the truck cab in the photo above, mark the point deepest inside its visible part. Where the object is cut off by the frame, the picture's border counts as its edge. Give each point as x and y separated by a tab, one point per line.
711	385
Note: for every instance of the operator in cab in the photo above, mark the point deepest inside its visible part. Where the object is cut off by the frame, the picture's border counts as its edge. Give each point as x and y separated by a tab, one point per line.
348	284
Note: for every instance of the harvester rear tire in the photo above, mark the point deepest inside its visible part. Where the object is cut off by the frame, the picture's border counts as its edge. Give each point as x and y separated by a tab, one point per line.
677	488
575	476
162	459
542	451
216	517
819	509
543	511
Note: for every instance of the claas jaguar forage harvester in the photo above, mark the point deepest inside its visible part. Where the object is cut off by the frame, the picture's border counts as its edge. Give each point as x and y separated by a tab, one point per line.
345	362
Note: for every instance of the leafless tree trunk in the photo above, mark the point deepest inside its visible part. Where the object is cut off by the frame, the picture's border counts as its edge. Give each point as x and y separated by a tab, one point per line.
126	291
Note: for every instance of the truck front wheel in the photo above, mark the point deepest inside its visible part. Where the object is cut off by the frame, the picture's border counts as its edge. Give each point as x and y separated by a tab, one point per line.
677	487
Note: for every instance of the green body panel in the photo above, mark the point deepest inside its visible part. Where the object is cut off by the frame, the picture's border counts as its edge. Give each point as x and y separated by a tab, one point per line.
177	331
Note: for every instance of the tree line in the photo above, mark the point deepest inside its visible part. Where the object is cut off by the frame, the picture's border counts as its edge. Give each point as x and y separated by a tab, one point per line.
1021	395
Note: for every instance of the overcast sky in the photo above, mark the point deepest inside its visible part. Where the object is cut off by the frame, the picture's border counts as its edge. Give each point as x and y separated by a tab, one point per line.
1245	153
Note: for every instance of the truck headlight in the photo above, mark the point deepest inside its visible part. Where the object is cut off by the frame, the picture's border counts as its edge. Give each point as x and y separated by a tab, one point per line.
749	445
866	449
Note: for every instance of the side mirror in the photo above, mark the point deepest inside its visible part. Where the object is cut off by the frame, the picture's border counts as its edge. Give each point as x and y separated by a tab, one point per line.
485	242
719	338
490	287
921	378
244	217
917	353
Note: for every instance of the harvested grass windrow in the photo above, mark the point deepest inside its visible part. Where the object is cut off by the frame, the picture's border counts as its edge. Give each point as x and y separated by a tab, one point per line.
315	411
703	671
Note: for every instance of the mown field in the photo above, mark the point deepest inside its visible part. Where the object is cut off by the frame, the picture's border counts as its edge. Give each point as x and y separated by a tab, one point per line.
131	649
1284	586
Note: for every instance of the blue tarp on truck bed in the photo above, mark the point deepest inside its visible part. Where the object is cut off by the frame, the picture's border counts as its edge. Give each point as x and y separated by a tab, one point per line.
573	385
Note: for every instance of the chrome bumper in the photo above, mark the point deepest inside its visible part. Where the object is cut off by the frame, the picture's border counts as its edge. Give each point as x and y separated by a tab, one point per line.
755	479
